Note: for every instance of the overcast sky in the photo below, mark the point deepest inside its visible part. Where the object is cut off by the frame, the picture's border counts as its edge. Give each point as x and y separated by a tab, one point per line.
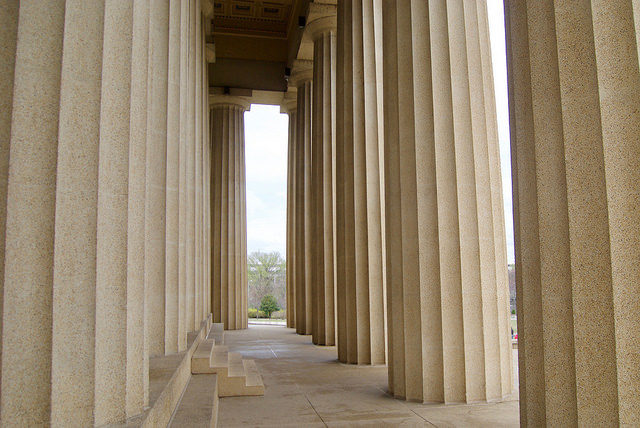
266	156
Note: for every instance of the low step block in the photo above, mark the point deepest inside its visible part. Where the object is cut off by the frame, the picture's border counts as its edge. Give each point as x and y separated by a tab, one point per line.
198	407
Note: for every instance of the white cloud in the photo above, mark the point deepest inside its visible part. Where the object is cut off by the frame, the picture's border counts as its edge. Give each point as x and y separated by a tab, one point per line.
266	139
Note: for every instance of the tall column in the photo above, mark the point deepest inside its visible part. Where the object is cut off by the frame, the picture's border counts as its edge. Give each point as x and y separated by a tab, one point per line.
156	179
289	106
74	262
361	313
137	395
197	225
171	329
113	178
323	33
190	172
182	207
229	285
28	280
302	78
575	132
8	40
446	279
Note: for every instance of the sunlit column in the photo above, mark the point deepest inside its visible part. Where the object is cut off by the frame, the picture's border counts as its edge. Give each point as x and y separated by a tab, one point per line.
28	279
229	216
302	79
361	313
445	268
289	106
575	138
323	33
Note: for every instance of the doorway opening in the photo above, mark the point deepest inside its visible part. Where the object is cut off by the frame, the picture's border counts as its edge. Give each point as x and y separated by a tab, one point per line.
266	140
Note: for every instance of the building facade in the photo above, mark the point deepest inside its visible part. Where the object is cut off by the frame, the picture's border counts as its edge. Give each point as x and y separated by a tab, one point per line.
123	199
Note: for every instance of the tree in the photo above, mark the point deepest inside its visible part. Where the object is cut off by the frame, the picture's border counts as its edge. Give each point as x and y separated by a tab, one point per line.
269	305
266	274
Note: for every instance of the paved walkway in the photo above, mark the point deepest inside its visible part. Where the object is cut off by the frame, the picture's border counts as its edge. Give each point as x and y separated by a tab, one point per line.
306	386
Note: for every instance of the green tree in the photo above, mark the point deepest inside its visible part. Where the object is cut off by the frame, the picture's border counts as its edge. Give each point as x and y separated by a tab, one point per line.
267	275
269	305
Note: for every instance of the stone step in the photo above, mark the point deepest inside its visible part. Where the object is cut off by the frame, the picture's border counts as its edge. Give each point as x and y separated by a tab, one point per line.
217	332
198	407
236	377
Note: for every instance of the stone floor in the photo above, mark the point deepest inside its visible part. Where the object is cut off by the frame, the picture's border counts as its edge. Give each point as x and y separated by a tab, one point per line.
306	386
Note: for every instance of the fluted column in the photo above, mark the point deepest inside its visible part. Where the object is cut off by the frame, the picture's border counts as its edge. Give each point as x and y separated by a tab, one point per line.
171	330
156	179
229	249
446	268
8	40
575	133
182	184
197	225
361	308
302	79
190	172
323	33
111	278
28	280
289	105
74	267
137	377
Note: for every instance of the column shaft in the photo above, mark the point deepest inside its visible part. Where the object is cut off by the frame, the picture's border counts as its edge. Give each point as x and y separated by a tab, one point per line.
182	207
575	126
197	228
156	176
303	206
442	255
137	395
229	217
173	181
291	220
113	172
74	267
363	331
8	40
28	281
190	178
322	148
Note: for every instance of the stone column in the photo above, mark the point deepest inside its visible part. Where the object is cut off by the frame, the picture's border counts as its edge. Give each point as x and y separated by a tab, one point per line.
575	132
302	78
8	40
173	181
74	262
198	168
182	207
113	180
156	179
190	171
28	279
289	106
323	33
229	256
446	268
361	313
137	395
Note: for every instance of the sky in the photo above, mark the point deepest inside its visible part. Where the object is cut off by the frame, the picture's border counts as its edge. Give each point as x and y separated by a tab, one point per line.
266	156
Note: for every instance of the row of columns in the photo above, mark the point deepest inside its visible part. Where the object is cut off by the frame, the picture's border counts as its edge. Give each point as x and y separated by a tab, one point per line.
228	198
105	207
574	89
435	261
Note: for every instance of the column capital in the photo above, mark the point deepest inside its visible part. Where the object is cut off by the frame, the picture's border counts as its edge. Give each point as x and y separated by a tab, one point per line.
219	101
321	25
302	72
289	103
